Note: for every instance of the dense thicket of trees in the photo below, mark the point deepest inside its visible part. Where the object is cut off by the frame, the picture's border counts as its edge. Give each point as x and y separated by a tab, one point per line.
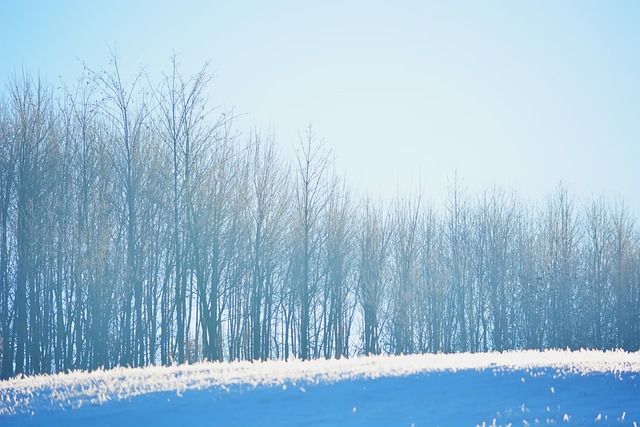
137	228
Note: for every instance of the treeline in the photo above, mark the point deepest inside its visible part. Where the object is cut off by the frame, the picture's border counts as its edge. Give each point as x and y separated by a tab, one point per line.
138	228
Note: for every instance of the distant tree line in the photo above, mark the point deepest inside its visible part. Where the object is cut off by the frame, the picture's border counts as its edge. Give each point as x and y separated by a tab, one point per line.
138	228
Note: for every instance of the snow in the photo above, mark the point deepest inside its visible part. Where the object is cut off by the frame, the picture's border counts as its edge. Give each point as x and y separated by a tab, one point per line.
512	388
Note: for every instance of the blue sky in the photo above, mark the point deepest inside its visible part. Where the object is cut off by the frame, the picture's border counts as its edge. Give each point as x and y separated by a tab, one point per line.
521	95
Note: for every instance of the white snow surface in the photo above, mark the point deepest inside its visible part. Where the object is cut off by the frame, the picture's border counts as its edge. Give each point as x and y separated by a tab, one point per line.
349	382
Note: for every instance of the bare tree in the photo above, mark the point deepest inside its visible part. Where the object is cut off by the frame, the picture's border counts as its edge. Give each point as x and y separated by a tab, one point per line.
407	215
311	190
31	108
374	239
457	235
432	292
561	237
498	224
182	113
625	280
267	205
338	284
125	105
8	164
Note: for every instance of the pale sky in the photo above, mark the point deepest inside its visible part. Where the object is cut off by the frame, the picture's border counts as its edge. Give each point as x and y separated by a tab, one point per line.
521	95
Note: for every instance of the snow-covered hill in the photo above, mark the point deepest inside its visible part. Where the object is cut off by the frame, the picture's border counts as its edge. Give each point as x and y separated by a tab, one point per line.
517	388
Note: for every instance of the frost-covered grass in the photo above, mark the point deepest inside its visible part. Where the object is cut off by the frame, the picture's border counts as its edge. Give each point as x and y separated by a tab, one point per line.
517	388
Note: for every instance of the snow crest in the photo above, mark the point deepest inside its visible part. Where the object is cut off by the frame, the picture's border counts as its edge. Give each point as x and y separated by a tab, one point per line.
75	389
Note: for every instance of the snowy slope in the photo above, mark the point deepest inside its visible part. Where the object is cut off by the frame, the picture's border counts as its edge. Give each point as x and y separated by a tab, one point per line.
551	387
